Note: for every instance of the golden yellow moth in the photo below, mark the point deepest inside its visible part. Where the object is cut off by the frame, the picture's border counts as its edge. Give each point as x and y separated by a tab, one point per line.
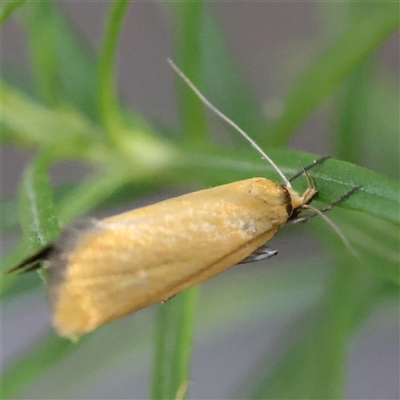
101	270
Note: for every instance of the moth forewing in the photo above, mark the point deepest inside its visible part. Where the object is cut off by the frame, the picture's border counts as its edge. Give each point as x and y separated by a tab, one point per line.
144	256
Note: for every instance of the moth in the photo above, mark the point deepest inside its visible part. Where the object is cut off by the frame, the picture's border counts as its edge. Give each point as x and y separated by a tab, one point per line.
101	270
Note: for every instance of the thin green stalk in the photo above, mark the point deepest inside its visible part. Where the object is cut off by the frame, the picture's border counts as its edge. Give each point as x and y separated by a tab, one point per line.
315	364
183	347
47	351
87	194
188	23
323	74
332	335
174	328
173	339
110	109
347	140
40	19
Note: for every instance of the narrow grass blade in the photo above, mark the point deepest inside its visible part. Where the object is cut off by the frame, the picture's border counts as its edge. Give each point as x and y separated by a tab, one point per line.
319	79
36	206
188	23
313	355
36	213
173	338
42	355
89	193
63	63
34	124
376	194
38	20
110	109
225	86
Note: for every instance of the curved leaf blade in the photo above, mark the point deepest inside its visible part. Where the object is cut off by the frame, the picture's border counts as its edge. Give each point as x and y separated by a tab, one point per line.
49	350
376	194
325	72
36	205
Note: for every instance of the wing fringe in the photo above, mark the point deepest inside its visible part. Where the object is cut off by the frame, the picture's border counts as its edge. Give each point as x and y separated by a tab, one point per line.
34	261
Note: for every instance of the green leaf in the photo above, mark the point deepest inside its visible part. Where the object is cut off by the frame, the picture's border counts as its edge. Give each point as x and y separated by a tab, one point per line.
36	213
378	116
65	131
350	117
187	23
375	240
324	73
110	109
89	193
173	340
225	86
46	352
314	361
9	215
43	52
376	194
36	207
58	55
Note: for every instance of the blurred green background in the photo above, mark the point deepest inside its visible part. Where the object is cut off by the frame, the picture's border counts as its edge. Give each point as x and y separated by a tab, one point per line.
94	122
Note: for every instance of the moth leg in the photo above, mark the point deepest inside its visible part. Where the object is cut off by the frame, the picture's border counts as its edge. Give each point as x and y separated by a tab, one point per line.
169	298
262	253
305	218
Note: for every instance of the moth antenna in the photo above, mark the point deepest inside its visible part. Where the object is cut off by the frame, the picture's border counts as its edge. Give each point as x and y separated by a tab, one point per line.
312	165
227	120
335	228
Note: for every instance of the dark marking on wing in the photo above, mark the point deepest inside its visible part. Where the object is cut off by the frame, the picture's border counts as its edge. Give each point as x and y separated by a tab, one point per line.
287	200
63	244
34	261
